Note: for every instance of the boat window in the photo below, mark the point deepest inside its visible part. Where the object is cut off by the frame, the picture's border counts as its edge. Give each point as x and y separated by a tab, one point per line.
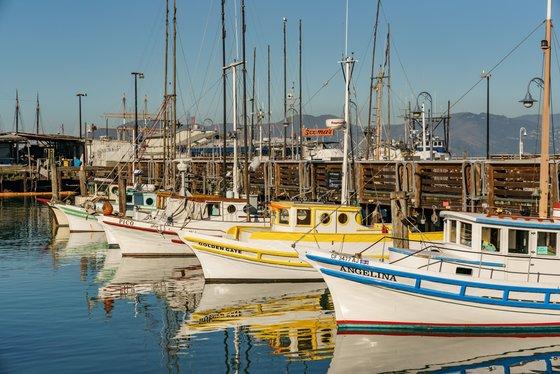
546	243
303	217
129	198
490	239
149	201
284	217
342	218
453	231
213	209
518	241
325	218
358	218
231	209
466	234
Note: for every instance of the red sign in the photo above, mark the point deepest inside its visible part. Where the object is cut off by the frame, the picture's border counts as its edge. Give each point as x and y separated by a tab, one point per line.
318	132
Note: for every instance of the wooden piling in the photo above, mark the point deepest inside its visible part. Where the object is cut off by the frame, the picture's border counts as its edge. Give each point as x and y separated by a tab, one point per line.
122	195
55	181
82	178
399	211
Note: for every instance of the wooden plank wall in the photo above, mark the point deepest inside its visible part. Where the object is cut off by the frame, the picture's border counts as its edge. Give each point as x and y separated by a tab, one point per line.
467	185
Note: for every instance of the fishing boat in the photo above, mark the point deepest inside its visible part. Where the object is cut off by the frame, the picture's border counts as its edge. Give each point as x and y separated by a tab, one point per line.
493	273
269	254
156	235
82	215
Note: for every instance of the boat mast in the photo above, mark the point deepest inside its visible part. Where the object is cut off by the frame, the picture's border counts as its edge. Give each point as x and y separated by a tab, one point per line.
300	112
388	61
37	115
235	132
17	111
545	118
165	65
253	101
348	67
224	103
174	109
246	158
270	153
371	79
285	20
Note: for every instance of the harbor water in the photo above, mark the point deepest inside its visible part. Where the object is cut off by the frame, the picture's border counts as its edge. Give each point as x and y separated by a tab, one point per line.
70	304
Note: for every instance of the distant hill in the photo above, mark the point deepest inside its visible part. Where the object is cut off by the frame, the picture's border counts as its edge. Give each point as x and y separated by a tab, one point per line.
467	132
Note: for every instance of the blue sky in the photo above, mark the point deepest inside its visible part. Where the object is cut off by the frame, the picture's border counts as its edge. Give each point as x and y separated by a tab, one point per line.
59	47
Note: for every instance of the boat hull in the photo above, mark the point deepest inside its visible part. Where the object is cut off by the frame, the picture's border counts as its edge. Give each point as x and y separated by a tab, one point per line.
378	297
78	219
226	260
136	238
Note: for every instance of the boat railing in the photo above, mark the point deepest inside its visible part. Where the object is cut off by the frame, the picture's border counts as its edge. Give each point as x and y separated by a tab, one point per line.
481	264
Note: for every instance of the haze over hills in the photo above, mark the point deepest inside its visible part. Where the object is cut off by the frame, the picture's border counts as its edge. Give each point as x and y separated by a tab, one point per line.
467	132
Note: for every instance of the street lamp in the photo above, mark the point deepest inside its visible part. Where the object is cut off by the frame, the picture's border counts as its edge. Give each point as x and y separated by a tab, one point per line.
487	76
522	134
426	96
80	95
528	100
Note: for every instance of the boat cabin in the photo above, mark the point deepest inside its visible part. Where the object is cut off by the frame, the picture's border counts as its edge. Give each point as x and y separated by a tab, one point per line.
506	235
287	216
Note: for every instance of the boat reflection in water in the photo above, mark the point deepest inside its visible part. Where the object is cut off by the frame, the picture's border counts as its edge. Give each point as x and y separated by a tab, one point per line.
296	320
355	353
75	244
177	280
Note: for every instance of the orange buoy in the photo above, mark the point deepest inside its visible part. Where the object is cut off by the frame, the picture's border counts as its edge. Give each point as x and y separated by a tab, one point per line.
107	208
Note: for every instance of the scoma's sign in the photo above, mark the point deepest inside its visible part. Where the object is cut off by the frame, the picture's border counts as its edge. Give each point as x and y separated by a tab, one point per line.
318	132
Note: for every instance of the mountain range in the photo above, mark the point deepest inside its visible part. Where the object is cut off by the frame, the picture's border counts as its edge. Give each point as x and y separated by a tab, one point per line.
467	132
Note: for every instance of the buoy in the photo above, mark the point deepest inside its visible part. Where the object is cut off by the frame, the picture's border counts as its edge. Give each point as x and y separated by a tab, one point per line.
107	208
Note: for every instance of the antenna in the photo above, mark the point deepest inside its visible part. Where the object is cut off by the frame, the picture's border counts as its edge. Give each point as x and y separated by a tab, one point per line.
346	32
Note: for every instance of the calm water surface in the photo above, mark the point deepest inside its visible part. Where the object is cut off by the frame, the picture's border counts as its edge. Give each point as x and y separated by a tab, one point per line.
68	304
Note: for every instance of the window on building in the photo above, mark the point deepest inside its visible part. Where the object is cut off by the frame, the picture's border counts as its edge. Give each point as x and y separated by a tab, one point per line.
466	234
490	240
546	243
518	241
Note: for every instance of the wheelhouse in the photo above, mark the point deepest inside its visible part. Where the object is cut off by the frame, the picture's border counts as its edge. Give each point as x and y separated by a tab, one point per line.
506	235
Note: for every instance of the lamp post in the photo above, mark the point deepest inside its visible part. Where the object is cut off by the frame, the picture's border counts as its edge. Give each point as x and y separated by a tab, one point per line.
422	111
522	134
528	100
487	76
80	95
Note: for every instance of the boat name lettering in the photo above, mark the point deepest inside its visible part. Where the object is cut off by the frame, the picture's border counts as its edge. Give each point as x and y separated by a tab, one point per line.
127	222
369	273
353	259
219	247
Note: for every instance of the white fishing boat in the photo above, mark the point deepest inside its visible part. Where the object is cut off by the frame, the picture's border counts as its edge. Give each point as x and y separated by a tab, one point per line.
379	353
493	274
82	216
269	254
156	235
